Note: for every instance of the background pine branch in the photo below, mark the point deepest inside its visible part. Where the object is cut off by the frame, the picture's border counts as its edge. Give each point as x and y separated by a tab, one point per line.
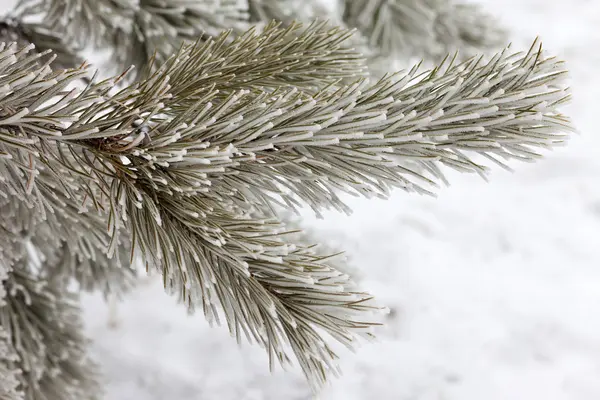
9	375
424	28
44	324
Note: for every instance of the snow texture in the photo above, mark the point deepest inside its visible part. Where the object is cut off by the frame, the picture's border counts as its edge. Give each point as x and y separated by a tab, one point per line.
494	287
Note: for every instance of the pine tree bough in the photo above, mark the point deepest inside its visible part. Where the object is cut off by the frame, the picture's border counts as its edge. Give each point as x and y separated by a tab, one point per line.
192	163
285	10
44	39
159	28
9	371
136	31
9	374
44	325
431	28
82	21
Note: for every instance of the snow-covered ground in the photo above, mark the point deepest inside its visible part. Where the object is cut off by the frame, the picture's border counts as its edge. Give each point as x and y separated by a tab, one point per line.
495	287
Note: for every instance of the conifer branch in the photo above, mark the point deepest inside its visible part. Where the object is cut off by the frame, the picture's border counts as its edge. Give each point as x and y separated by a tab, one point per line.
464	27
224	263
23	33
68	254
82	22
429	28
9	375
273	57
137	31
9	372
272	291
191	166
44	324
364	139
285	11
159	28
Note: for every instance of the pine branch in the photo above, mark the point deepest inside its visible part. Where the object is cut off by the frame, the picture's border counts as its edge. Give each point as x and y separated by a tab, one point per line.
81	22
293	12
71	239
309	279
9	375
71	243
9	372
272	291
464	27
307	58
285	11
44	325
160	28
188	173
74	245
429	28
43	39
111	276
14	222
360	139
136	31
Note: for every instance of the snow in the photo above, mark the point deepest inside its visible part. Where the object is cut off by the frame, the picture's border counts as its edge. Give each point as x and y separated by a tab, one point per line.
494	287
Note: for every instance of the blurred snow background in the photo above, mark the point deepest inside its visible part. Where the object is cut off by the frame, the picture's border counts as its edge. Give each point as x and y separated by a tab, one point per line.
494	287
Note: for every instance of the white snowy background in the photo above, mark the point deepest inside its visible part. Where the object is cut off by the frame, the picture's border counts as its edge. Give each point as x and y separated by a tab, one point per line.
494	287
